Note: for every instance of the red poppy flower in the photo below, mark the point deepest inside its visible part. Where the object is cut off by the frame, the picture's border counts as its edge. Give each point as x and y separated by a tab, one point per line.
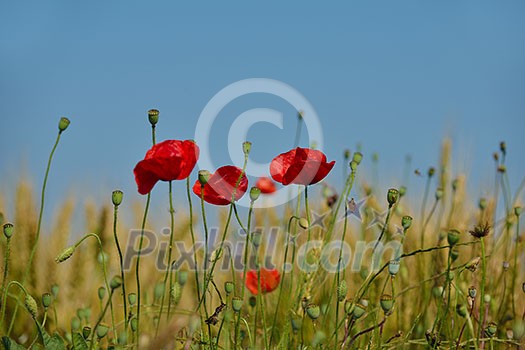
301	166
269	280
166	161
221	186
266	185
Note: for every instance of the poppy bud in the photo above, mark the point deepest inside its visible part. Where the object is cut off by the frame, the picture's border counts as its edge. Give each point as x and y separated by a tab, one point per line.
402	191
252	301
46	300
300	114
54	290
176	293
158	291
86	331
313	311
153	116
491	329
393	267
359	310
9	228
358	157
502	169
406	221
133	324
319	339
229	287
183	277
256	238
63	124
246	147
102	330
472	291
392	196
31	305
65	254
116	197
132	298
342	289
237	304
495	156
303	223
101	293
453	237
387	303
437	291
503	147
75	323
517	211
115	282
482	204
431	171
461	310
346	154
204	176
255	192
297	323
439	194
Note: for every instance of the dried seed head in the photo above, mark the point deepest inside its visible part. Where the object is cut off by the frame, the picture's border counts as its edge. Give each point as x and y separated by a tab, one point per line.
31	305
65	254
9	229
63	124
473	264
480	230
313	311
116	197
153	116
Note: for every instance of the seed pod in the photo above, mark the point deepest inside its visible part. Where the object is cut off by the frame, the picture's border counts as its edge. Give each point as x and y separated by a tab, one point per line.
359	310
353	165
402	191
102	330
182	277
46	300
63	124
133	324
303	223
392	196
115	282
346	154
246	147
439	194
204	176
461	310
116	197
255	192
9	228
158	292
487	298
358	157
252	301
387	303
393	267
453	237
472	291
491	329
297	323
101	293
229	287
313	311
153	116
237	304
319	338
75	323
406	222
349	306
54	290
517	211
86	331
132	298
482	204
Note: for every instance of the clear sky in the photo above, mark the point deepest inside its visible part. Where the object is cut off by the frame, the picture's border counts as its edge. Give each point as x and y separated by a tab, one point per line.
395	76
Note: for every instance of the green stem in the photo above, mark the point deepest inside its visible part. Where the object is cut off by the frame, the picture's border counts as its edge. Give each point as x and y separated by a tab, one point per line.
121	261
6	268
423	207
482	294
516	268
39	225
192	232
100	318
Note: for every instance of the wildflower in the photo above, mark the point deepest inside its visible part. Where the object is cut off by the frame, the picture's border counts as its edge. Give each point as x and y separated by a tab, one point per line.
166	161
269	280
266	185
223	186
301	166
480	230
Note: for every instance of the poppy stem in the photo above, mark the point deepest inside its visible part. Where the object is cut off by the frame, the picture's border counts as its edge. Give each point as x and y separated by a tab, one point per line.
205	267
121	261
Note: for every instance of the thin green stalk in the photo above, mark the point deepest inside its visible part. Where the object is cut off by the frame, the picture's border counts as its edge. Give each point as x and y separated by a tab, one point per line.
39	225
168	268
482	294
6	266
100	318
206	238
192	232
423	207
515	267
121	261
137	263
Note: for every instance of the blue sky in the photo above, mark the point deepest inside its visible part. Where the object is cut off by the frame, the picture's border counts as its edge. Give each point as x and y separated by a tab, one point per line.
394	76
